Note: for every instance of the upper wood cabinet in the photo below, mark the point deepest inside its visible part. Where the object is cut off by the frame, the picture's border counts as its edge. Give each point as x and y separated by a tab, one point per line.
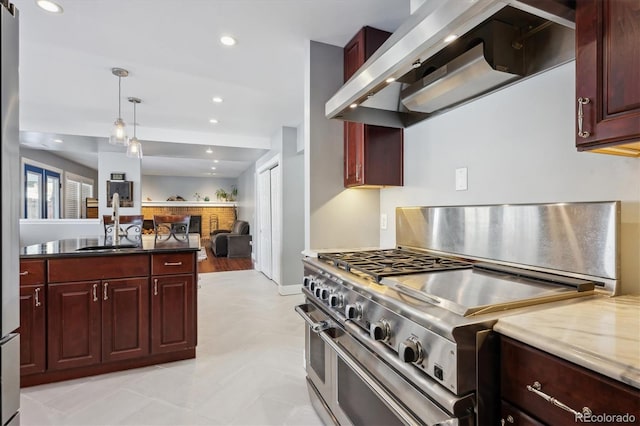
608	76
373	155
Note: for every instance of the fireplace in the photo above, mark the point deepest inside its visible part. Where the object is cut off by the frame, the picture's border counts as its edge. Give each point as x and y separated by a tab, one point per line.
195	225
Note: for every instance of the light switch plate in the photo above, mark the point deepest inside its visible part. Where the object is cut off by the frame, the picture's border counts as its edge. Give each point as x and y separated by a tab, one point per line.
383	221
461	179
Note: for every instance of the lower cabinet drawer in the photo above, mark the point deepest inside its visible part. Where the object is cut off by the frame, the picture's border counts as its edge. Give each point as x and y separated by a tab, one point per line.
530	376
98	268
172	263
32	272
510	415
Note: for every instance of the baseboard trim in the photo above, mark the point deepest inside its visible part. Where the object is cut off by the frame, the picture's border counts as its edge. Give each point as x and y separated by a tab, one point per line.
287	290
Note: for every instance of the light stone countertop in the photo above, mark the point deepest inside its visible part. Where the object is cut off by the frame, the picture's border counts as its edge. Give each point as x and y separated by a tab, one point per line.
601	334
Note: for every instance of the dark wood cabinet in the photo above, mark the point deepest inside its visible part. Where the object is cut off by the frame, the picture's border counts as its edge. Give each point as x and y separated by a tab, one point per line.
608	76
32	329
33	302
528	375
125	319
173	302
172	313
87	315
73	324
373	155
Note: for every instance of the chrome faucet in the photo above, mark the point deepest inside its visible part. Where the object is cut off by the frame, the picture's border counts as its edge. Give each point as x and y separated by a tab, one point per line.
115	202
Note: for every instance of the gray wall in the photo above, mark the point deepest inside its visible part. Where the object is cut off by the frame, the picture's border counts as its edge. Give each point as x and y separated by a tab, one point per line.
159	188
519	147
292	208
335	217
247	198
284	148
48	157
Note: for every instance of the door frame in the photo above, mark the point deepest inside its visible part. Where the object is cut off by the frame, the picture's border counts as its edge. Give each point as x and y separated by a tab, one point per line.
267	165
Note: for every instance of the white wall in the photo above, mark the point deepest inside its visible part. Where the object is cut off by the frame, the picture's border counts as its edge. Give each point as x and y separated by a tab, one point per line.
519	147
335	217
159	188
38	231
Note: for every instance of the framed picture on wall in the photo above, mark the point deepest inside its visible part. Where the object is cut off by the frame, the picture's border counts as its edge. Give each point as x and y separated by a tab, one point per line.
124	190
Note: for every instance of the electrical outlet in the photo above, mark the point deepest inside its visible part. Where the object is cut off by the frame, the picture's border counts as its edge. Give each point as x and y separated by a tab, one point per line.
461	179
383	221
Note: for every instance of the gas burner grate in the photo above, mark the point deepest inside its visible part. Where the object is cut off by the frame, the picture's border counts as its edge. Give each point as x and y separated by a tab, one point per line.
378	264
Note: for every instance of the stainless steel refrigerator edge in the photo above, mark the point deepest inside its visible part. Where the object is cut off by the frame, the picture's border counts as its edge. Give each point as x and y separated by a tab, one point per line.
10	316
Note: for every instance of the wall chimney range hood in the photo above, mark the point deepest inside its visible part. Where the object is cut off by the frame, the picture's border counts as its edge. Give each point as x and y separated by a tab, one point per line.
415	74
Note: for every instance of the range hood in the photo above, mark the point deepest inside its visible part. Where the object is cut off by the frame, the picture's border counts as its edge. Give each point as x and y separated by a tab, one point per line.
415	74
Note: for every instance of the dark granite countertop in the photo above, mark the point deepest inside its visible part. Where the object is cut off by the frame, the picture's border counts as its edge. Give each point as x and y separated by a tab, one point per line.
74	247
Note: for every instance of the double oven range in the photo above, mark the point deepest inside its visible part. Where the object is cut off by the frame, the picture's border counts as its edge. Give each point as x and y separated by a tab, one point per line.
403	336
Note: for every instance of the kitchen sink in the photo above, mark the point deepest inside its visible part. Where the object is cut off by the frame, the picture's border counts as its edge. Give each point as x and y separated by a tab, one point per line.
108	247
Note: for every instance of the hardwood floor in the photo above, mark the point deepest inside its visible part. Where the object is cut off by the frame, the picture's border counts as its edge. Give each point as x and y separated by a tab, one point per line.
218	264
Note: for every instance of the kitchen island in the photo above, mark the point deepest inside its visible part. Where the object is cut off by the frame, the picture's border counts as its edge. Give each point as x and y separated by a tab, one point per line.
89	307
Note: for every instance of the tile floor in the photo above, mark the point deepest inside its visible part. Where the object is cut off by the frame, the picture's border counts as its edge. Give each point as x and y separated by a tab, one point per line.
248	370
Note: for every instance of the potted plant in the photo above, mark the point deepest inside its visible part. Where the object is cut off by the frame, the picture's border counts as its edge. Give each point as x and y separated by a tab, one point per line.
233	196
221	194
206	198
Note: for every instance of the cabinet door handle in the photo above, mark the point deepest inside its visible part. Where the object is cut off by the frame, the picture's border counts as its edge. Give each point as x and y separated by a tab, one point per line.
537	389
24	273
95	292
172	263
106	295
358	167
155	287
582	133
37	297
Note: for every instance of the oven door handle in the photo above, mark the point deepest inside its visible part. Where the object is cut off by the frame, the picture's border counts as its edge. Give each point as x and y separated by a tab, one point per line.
372	384
316	327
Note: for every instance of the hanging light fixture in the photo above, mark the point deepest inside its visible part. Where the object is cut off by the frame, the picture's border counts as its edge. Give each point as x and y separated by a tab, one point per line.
134	148
119	132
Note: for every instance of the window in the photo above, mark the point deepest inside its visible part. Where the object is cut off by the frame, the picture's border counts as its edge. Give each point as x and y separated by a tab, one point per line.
41	192
77	190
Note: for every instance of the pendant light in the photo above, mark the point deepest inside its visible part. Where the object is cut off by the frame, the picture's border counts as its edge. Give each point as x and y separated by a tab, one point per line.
119	131
134	148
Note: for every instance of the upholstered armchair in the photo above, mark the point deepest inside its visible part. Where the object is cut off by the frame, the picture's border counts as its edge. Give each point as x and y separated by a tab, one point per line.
235	242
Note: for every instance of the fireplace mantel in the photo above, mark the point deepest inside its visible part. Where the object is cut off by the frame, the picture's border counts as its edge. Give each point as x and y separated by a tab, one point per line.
189	204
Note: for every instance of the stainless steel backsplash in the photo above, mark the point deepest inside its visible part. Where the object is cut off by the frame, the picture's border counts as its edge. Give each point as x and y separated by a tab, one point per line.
580	239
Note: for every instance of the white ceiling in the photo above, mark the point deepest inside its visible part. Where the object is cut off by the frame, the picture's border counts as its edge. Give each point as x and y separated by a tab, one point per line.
177	65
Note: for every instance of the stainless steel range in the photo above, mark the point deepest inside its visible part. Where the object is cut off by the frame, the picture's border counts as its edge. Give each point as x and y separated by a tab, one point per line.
403	336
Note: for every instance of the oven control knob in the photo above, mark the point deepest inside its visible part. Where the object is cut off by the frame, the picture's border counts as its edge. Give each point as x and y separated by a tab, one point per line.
410	350
353	311
317	291
312	284
335	300
380	330
306	281
324	293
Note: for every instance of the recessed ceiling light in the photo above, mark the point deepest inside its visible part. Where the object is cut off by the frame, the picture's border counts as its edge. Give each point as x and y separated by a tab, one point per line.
213	174
49	6
227	40
213	121
213	168
58	140
217	99
209	151
215	161
354	105
450	38
390	80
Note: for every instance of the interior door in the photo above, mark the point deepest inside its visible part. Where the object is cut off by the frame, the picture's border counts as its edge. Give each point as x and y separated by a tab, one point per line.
276	226
264	225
